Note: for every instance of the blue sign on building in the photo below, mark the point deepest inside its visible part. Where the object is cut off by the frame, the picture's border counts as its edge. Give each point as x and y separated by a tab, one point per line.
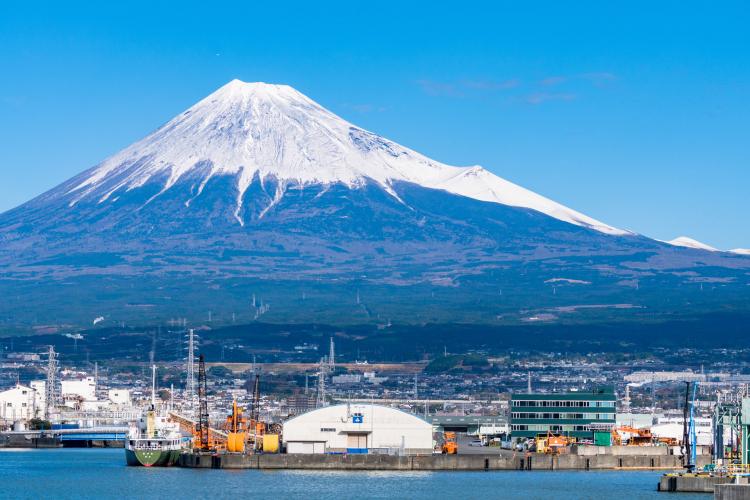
357	418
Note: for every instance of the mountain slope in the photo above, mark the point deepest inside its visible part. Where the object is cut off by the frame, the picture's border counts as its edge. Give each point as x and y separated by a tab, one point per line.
257	189
684	241
250	130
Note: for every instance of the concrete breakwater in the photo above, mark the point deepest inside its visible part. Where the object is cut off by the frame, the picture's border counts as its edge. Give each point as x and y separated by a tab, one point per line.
427	463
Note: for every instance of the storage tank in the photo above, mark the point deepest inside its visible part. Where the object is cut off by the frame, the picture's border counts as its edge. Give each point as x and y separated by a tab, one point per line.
270	443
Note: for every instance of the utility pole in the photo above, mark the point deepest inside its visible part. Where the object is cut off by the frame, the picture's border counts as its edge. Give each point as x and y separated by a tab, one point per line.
331	356
685	430
626	400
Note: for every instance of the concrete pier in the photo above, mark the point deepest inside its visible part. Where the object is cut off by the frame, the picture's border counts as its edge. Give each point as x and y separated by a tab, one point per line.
520	461
697	483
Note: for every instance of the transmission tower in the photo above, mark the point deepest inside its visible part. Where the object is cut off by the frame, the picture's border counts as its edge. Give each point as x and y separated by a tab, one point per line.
50	388
191	344
321	399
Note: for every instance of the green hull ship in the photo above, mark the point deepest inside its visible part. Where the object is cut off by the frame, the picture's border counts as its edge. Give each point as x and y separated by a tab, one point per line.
152	458
154	440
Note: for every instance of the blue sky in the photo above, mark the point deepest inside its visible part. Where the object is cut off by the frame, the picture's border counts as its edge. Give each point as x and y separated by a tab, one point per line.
635	113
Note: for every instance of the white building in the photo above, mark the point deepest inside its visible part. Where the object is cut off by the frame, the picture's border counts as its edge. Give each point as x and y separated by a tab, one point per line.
358	428
18	403
85	388
346	378
673	427
645	377
40	395
119	397
636	420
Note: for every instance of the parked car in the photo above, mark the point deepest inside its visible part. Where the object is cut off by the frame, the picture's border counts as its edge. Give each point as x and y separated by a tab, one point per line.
476	442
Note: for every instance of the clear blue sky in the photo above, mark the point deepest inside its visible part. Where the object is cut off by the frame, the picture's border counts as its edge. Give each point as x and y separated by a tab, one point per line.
636	113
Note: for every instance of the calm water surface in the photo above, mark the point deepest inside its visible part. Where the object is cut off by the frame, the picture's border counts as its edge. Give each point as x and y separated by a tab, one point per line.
96	473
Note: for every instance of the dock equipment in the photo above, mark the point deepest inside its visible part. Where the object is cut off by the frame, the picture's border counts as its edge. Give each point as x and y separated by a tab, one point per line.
236	430
201	440
551	444
450	447
630	436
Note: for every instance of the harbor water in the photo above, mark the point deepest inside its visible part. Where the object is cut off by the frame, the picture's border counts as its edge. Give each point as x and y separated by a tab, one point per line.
102	473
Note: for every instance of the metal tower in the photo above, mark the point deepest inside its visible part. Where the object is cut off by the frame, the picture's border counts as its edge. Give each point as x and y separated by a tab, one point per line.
321	399
528	383
50	388
255	405
191	365
202	428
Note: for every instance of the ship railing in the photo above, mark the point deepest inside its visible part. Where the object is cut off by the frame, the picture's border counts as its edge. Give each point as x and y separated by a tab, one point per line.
150	446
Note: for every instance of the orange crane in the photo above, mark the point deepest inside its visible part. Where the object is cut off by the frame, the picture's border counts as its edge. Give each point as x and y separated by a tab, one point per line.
236	427
256	428
205	438
201	439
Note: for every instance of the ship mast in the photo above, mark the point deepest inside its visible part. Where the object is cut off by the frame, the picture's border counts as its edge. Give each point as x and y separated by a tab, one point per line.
153	386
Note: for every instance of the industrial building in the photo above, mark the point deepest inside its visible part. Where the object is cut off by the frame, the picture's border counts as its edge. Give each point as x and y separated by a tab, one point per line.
577	414
358	428
472	425
18	403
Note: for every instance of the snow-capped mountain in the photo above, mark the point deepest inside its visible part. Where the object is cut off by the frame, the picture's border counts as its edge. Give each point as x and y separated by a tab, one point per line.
259	130
741	251
257	188
684	241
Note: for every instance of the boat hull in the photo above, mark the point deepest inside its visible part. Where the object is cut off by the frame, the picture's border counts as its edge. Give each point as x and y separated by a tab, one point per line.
152	458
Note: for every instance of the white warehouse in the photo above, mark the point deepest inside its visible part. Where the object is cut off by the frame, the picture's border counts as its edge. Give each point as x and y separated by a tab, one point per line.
358	428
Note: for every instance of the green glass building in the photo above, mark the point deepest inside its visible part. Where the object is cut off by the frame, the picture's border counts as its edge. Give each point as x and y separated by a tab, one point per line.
575	414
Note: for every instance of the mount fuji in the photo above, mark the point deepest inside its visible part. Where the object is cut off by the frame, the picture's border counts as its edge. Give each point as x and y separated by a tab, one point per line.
258	190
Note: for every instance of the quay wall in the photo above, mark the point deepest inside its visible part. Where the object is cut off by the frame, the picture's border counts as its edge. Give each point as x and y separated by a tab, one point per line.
619	450
29	441
732	492
698	483
428	463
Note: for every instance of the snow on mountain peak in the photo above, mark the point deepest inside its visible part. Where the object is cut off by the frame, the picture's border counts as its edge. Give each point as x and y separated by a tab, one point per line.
266	130
684	241
741	251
